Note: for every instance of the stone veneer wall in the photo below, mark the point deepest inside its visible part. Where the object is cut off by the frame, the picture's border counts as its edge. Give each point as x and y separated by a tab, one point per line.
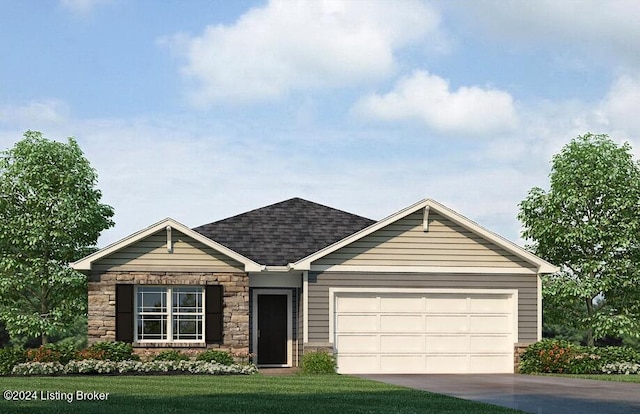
102	305
517	353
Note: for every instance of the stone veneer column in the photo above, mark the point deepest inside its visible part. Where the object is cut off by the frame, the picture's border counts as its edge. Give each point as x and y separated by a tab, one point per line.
517	352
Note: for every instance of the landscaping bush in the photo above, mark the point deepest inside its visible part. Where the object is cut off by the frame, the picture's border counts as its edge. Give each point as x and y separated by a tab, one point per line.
562	357
114	351
38	368
547	356
61	353
613	354
92	366
625	368
10	357
319	362
214	355
171	355
90	353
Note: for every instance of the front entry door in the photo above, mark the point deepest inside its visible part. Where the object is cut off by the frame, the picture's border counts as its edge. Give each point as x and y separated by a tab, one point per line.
272	329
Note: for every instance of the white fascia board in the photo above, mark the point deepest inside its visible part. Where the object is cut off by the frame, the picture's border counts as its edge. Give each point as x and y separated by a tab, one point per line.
542	265
86	262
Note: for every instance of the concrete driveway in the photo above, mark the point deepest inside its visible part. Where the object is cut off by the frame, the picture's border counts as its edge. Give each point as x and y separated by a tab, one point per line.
533	394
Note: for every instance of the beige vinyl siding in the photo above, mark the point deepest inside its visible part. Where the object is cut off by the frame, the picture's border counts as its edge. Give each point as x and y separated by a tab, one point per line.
319	284
405	243
151	253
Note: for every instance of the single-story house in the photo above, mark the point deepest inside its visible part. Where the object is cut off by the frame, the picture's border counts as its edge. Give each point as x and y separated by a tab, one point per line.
425	290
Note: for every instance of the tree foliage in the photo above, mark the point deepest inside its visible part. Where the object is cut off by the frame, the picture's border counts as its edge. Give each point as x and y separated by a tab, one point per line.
588	223
51	215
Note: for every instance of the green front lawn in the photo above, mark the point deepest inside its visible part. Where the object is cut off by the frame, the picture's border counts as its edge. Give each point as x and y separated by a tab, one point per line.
602	377
233	394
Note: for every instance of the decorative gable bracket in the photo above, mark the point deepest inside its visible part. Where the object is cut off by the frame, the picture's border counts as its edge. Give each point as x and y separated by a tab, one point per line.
169	240
425	219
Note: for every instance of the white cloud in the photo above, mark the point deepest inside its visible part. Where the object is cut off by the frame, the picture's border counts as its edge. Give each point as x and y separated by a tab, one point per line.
598	30
292	45
429	99
82	7
34	114
619	109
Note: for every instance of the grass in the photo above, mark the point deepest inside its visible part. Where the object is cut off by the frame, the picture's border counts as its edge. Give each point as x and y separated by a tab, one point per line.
602	377
234	394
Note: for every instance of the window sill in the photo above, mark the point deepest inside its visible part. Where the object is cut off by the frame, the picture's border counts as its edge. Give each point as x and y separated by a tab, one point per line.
169	345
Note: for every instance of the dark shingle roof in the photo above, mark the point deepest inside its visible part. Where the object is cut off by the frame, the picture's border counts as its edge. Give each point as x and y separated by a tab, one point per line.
284	232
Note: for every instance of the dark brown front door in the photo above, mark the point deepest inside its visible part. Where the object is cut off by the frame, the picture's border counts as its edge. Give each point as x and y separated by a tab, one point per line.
272	329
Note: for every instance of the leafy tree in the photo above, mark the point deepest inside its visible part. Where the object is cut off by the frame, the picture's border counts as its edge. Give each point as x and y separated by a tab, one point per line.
588	223
50	215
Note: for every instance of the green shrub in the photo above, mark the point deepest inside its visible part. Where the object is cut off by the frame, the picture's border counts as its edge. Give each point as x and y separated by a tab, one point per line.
214	355
614	354
171	355
547	356
115	351
562	357
94	354
10	357
585	361
319	362
61	353
66	349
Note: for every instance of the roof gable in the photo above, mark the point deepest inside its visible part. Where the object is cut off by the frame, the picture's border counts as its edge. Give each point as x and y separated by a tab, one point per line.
509	252
285	232
194	238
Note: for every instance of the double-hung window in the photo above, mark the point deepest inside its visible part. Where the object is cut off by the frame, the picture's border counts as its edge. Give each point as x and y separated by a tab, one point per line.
170	314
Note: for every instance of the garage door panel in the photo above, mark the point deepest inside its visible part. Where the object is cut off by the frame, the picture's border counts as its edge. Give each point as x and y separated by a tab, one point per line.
401	304
447	364
491	364
447	344
489	343
453	304
361	364
489	304
357	323
402	363
401	323
356	304
490	323
401	343
357	343
447	324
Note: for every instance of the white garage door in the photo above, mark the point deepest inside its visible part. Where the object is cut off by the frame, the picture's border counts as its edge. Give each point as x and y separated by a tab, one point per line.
424	332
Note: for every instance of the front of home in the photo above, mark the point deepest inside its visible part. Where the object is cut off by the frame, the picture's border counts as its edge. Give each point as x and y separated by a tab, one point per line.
424	290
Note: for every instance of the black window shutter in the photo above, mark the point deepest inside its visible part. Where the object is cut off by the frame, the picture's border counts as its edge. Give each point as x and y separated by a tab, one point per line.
213	314
124	313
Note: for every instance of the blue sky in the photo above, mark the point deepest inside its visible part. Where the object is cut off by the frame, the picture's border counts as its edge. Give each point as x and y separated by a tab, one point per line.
200	110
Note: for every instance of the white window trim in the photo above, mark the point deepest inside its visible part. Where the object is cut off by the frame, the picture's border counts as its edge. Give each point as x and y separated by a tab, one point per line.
254	328
169	293
333	292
